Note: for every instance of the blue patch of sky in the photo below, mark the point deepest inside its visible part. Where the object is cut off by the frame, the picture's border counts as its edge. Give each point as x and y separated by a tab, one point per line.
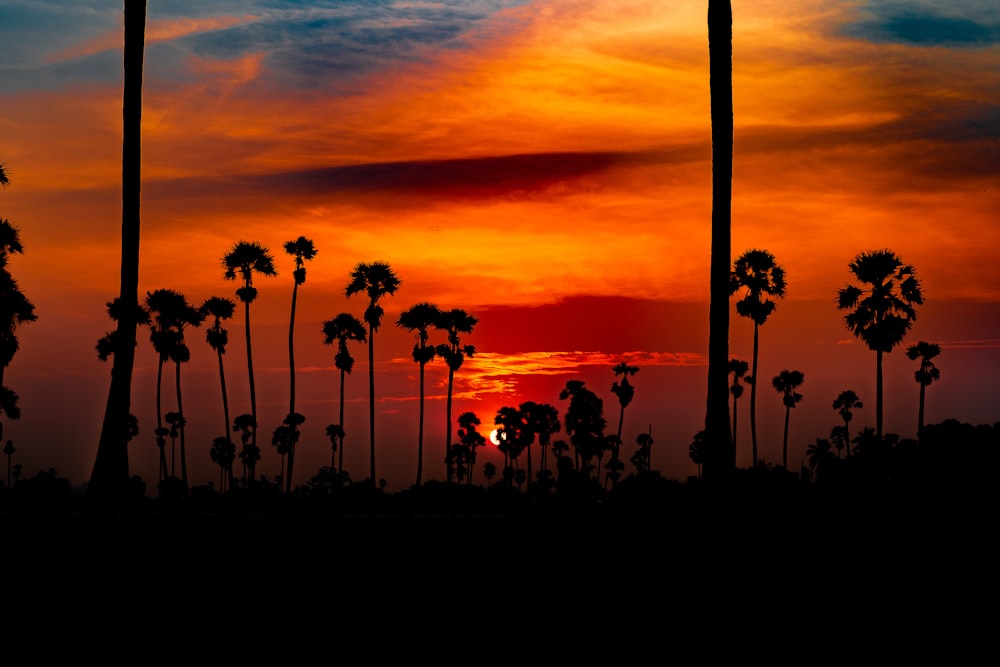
959	24
305	42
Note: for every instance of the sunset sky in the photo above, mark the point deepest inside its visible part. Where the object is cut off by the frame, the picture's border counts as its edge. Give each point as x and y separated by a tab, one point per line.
543	165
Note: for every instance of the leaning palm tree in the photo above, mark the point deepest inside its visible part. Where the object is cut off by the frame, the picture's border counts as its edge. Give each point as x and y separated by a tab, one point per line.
343	328
758	274
375	280
846	401
926	374
244	260
720	453
785	383
419	319
881	309
738	369
454	322
302	249
219	308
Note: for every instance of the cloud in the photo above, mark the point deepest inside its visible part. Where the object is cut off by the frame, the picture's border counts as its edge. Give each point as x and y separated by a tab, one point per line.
926	26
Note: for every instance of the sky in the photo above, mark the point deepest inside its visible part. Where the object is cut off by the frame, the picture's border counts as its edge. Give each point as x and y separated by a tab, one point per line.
545	166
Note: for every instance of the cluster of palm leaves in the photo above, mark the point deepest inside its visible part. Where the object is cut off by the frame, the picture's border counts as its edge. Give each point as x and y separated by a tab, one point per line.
15	309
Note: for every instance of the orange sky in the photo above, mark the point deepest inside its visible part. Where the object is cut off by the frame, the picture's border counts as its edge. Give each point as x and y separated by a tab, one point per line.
543	165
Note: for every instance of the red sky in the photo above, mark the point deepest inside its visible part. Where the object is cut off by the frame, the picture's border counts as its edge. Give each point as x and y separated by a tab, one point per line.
543	165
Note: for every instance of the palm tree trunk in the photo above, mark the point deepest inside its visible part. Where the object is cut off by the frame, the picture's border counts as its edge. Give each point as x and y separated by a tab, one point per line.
225	398
719	459
108	487
371	398
447	426
753	396
878	394
180	411
253	387
291	388
784	444
420	433
340	465
159	419
621	420
847	436
734	423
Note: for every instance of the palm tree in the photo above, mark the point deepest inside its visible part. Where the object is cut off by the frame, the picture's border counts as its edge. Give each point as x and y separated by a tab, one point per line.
785	383
819	454
335	432
882	311
302	249
454	322
420	318
471	440
738	369
219	308
759	275
223	453
109	479
343	328
244	260
584	422
926	374
846	401
624	391
720	453
489	471
642	457
250	453
375	280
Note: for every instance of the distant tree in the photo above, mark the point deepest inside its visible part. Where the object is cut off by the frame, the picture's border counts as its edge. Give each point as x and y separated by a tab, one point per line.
819	454
759	275
738	369
302	249
343	328
470	438
376	280
840	437
642	457
513	434
624	390
219	308
419	319
335	432
454	322
846	401
223	454
696	450
243	261
785	383
882	309
489	471
249	454
926	374
584	422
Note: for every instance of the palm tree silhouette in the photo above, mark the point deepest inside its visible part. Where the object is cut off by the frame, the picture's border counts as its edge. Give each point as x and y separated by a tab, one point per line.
243	261
375	280
926	374
342	328
738	369
109	478
489	471
819	453
302	249
585	423
219	308
721	456
785	383
882	311
759	275
642	457
471	439
223	454
454	322
624	391
846	401
335	432
513	434
419	319
250	453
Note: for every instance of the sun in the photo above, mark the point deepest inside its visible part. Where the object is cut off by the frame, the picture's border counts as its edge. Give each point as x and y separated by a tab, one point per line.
494	437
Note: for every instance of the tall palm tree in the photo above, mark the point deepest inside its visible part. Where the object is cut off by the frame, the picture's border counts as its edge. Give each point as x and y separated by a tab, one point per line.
738	369
846	401
758	274
219	308
454	322
109	478
342	328
926	374
624	391
244	260
419	319
881	309
720	454
785	383
376	280
162	304
302	249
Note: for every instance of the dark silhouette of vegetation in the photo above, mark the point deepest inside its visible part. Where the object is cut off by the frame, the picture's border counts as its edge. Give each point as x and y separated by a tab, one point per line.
882	309
419	319
376	280
738	369
926	374
342	328
846	401
109	481
756	272
721	457
454	322
303	250
584	423
219	308
469	440
785	383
